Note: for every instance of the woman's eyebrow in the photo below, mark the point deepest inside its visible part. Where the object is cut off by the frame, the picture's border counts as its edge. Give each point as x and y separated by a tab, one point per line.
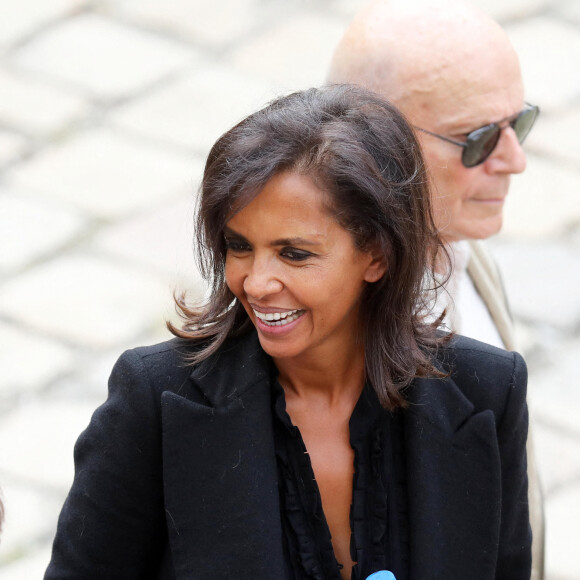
294	242
229	232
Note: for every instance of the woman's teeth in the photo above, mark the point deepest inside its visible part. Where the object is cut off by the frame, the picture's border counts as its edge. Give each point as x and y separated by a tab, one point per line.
278	318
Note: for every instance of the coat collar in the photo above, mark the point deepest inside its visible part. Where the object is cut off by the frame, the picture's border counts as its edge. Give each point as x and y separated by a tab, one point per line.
220	473
239	364
221	476
453	483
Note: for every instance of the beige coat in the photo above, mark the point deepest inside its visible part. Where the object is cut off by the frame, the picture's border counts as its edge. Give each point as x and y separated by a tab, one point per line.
487	281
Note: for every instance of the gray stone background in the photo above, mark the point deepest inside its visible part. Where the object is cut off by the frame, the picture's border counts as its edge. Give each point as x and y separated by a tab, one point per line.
107	110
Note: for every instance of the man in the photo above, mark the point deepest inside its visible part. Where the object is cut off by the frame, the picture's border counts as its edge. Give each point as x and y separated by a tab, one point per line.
454	74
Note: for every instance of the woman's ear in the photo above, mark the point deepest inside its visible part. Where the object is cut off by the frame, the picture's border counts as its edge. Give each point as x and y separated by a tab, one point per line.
377	266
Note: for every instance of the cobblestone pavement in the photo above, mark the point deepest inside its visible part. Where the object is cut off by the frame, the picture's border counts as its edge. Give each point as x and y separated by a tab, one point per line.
107	109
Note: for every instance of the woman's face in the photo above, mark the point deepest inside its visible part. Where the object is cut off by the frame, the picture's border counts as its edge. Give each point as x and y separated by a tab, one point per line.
296	271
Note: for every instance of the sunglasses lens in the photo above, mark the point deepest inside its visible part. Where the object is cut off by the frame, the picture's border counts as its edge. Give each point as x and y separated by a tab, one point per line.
480	144
524	122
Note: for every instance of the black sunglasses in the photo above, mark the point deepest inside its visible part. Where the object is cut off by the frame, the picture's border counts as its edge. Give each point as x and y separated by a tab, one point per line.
480	143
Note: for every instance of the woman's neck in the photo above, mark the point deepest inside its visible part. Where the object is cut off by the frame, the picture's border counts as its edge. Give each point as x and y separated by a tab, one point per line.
335	379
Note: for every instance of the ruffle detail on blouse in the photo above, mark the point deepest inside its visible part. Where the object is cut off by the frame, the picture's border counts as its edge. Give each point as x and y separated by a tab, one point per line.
399	482
310	547
378	513
369	510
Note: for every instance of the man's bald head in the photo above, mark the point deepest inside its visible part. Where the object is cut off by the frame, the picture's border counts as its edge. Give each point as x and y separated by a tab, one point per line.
451	69
406	49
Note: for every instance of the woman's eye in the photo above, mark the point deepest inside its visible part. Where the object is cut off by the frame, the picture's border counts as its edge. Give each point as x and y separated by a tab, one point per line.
237	245
295	255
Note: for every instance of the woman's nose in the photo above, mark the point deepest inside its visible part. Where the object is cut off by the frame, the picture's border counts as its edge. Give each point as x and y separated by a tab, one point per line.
261	280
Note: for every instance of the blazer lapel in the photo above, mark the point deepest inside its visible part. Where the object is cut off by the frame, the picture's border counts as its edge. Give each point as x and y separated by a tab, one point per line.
454	485
220	471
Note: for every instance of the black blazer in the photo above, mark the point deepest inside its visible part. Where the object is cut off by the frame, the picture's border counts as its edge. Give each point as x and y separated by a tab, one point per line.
176	474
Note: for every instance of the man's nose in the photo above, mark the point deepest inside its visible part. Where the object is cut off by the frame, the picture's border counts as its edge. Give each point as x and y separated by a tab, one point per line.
508	156
262	280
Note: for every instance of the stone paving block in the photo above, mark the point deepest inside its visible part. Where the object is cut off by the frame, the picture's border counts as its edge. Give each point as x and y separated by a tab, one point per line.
542	281
575	238
31	228
556	136
103	57
568	9
554	390
563	534
514	10
25	16
526	337
543	201
561	414
556	469
29	361
37	440
31	565
498	9
549	51
196	110
159	333
106	173
294	54
11	147
346	9
91	381
161	238
35	107
91	302
31	517
213	24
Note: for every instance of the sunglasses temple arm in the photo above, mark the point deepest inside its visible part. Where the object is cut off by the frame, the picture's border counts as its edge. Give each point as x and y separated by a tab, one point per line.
458	143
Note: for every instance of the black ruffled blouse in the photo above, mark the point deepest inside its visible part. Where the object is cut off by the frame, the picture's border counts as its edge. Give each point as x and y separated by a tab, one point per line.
378	514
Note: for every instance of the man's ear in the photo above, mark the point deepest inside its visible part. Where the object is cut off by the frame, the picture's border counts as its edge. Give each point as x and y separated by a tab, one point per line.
377	266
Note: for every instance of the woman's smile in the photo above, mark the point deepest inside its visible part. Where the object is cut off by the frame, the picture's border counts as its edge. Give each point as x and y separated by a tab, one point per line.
281	326
278	318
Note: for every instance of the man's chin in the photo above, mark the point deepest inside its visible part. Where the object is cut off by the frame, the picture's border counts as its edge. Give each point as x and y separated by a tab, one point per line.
473	230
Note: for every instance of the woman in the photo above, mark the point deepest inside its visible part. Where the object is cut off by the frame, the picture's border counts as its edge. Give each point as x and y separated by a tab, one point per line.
307	423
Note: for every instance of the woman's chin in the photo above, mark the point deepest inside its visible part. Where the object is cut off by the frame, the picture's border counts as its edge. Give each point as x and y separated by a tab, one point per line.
280	341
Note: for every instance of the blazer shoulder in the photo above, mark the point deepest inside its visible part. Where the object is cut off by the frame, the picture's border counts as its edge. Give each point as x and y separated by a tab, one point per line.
239	363
462	350
160	367
167	353
487	375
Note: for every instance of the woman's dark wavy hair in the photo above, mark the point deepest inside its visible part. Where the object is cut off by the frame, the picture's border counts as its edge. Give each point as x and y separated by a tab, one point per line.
360	149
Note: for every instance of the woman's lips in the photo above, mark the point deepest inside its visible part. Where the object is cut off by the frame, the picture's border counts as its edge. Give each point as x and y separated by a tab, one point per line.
278	318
